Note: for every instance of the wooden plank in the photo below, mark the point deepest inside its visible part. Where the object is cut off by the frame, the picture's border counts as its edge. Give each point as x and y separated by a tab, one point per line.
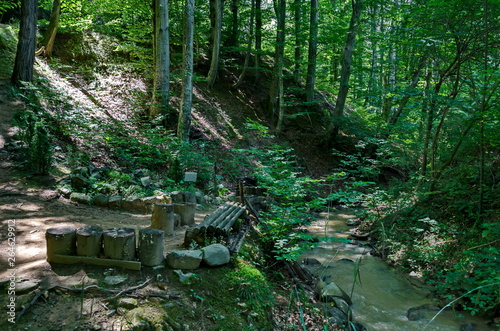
71	259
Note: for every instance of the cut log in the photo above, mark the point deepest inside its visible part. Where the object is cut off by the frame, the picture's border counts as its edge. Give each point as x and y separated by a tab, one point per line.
89	241
151	247
187	211
60	240
68	259
119	244
163	218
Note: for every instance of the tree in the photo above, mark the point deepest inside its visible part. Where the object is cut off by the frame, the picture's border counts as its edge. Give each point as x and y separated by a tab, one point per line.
313	47
297	11
50	35
216	41
161	93
25	55
184	122
346	68
249	47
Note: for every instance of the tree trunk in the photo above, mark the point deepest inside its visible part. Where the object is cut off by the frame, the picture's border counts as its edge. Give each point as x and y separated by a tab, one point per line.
187	79
151	247
161	93
216	37
274	91
249	47
50	35
61	240
119	244
298	39
313	47
25	55
163	218
89	241
258	36
346	68
232	41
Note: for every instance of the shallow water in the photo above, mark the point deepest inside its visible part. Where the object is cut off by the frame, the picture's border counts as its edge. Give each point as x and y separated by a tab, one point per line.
382	300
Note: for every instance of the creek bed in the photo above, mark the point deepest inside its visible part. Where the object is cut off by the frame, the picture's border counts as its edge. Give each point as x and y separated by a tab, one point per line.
382	300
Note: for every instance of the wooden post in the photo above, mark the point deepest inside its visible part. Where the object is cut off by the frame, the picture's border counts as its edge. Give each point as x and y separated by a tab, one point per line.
186	211
60	240
89	241
151	247
119	244
163	218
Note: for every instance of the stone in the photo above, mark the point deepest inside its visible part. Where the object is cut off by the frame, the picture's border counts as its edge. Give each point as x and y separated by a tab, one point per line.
311	261
336	316
185	259
26	286
65	191
146	181
101	200
177	197
79	182
184	277
115	280
127	303
134	203
80	198
115	202
216	255
343	306
200	198
329	291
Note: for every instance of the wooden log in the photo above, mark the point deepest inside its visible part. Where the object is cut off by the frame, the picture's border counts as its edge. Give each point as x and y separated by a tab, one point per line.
215	223
163	218
89	241
68	259
60	240
187	211
230	217
151	247
230	222
119	244
210	218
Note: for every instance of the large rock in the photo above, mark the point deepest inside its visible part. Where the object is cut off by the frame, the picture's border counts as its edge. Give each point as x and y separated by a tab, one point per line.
79	182
186	259
328	291
115	202
101	200
216	255
134	204
80	198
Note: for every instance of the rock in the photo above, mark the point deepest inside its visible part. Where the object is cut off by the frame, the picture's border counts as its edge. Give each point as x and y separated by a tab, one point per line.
216	255
327	292
115	280
101	200
127	303
200	198
64	191
343	306
190	197
355	326
311	261
184	277
421	312
26	286
468	327
80	198
336	316
186	259
134	203
177	197
146	181
177	220
79	182
115	202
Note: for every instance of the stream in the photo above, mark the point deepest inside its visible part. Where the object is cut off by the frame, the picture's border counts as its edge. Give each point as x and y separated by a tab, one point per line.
382	300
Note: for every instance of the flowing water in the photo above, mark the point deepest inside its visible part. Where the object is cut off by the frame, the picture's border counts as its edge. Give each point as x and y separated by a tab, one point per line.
385	295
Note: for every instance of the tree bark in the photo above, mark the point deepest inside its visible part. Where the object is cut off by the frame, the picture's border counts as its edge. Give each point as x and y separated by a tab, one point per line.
25	55
346	68
232	41
313	48
298	40
249	46
50	35
216	37
161	90
258	36
187	79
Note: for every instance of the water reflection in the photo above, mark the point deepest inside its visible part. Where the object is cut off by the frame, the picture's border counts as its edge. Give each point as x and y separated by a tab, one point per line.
383	295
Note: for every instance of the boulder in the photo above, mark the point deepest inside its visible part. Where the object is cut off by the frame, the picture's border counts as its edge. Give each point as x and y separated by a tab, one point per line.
328	291
65	191
101	200
216	255
186	259
343	306
134	203
336	316
146	181
79	182
80	198
115	202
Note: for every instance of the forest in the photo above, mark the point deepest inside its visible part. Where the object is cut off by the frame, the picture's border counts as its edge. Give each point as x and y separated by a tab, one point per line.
390	109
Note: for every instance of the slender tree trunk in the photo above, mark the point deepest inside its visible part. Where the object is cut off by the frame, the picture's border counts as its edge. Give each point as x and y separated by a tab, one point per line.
346	68
25	55
313	48
233	37
297	9
216	37
428	118
274	90
258	36
187	79
161	91
249	47
50	35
